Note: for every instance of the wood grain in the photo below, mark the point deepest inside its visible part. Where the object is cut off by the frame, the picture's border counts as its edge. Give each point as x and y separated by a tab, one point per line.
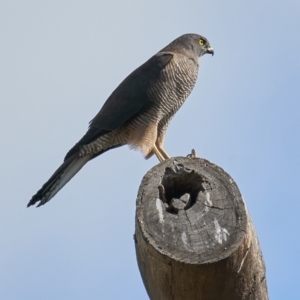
194	236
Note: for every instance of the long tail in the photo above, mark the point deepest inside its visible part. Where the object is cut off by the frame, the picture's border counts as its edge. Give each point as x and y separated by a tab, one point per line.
60	177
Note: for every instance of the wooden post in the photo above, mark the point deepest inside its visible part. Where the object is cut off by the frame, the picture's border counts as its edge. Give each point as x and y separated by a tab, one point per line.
194	237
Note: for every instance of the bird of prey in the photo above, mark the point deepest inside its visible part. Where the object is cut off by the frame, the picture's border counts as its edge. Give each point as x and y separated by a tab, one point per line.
138	111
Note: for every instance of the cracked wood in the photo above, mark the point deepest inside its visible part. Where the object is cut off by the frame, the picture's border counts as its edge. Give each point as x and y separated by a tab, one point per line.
194	237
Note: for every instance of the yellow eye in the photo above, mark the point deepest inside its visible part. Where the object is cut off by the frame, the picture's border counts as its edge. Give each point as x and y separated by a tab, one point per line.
201	42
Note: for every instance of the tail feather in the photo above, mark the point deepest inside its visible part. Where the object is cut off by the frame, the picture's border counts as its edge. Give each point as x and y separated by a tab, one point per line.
60	177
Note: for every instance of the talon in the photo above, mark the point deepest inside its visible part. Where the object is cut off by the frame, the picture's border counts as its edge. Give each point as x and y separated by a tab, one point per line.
192	154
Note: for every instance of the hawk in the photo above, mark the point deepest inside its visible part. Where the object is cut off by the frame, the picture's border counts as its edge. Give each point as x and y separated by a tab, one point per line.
138	111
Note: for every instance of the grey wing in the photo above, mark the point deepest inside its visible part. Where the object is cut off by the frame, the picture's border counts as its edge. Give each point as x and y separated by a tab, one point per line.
127	100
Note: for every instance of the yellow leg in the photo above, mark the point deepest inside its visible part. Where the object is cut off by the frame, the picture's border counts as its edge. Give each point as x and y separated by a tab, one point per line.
162	151
159	145
158	154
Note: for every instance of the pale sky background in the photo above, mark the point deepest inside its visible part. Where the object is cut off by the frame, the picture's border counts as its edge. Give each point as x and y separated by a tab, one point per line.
60	60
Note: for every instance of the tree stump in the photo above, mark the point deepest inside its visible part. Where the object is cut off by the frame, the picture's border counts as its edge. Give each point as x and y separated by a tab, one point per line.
194	237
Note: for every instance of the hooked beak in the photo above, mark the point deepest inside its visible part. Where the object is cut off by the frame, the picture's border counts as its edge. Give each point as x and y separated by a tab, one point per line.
210	51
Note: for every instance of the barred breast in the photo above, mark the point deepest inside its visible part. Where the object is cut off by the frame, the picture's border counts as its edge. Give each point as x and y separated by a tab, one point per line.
168	94
178	80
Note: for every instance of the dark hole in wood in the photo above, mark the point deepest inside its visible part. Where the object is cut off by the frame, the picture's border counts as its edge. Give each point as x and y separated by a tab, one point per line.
177	184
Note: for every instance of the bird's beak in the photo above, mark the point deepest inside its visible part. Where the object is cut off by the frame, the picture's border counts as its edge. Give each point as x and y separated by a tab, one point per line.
210	51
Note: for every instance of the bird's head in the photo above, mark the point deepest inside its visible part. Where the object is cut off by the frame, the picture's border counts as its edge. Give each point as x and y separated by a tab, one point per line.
193	43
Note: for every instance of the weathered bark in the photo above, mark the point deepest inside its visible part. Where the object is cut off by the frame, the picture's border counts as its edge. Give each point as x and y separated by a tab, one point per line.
194	236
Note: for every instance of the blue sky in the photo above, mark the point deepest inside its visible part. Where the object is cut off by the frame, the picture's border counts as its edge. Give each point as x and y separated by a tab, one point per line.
60	60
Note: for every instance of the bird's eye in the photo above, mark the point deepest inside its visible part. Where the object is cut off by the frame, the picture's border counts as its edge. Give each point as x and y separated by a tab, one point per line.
201	42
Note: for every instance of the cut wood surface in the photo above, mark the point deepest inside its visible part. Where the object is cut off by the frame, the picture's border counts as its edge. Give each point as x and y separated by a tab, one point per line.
194	237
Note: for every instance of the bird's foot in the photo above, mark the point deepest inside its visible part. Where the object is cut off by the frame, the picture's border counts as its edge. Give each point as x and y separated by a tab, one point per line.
192	154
